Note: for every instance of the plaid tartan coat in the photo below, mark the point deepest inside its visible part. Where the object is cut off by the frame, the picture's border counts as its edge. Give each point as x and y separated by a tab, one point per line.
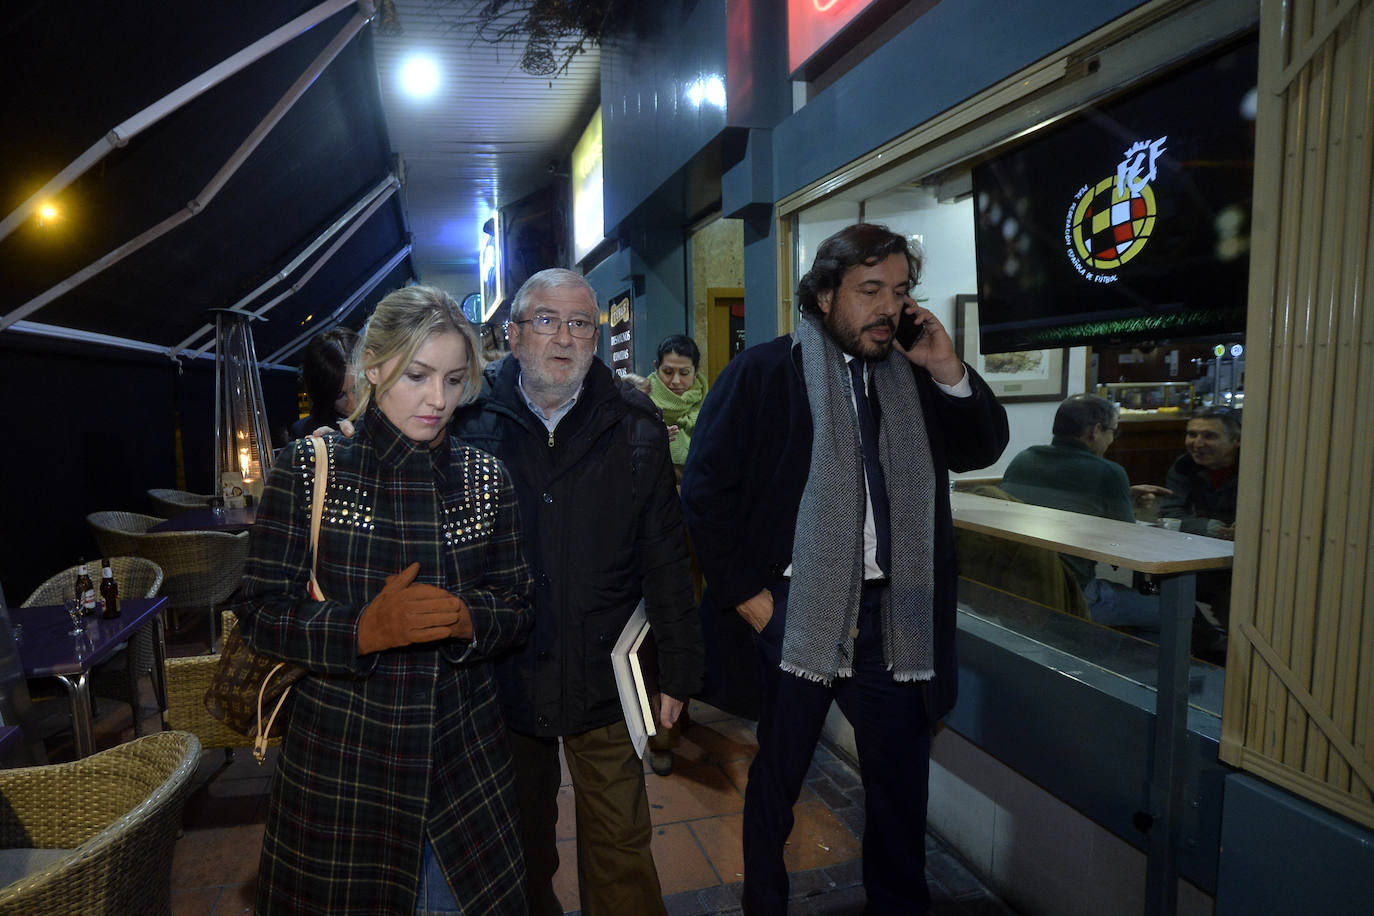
383	750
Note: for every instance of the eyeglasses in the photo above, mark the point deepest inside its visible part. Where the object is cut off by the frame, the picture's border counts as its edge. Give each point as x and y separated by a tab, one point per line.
581	328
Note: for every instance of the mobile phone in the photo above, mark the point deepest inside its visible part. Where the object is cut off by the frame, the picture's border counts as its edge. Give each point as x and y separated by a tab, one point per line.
908	330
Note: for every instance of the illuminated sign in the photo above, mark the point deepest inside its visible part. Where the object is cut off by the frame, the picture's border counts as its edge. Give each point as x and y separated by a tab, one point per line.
1110	221
621	314
490	270
811	24
589	226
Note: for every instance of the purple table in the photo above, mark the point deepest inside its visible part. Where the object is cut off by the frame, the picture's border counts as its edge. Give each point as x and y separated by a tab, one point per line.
228	520
47	650
11	737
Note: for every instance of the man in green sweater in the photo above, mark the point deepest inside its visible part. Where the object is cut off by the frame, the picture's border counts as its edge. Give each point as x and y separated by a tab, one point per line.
1071	474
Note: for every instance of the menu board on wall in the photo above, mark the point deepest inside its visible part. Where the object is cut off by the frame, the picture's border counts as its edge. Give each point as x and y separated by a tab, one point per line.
622	334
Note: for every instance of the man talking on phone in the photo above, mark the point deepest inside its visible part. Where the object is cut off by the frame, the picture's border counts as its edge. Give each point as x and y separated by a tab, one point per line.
817	493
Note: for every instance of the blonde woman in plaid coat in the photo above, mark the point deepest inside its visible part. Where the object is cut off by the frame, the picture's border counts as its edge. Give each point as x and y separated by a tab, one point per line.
392	792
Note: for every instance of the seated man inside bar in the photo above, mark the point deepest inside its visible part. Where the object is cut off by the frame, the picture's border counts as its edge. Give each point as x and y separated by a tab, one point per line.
1203	479
1071	474
1203	485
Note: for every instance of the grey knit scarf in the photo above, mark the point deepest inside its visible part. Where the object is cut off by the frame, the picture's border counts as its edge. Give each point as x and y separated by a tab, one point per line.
827	553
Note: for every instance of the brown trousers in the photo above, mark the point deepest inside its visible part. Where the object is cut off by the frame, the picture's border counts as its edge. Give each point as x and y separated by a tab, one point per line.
615	865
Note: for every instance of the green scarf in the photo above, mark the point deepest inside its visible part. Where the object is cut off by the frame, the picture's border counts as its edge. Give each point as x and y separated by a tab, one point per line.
679	410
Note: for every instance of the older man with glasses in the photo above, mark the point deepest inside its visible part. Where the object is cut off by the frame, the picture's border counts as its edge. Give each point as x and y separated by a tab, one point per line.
1071	473
588	455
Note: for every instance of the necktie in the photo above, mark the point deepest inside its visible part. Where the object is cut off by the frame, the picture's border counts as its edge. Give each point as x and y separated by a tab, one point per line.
877	483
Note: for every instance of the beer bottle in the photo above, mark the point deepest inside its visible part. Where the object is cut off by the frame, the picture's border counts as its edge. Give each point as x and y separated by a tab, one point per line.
85	589
109	590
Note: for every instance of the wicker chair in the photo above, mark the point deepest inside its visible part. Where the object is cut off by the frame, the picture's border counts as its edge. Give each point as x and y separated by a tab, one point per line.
200	569
96	835
114	531
187	680
171	503
119	676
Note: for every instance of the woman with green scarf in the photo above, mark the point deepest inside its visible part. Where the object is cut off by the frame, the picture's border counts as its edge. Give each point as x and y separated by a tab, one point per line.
678	390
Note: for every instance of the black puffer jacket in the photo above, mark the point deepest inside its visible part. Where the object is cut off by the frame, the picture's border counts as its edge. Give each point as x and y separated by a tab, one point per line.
603	527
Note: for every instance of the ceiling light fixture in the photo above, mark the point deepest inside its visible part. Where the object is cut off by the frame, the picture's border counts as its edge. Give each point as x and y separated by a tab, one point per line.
419	76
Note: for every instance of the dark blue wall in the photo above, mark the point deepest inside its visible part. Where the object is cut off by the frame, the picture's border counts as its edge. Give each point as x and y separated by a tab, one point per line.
951	53
1083	733
761	278
649	128
651	131
660	257
1281	854
655	269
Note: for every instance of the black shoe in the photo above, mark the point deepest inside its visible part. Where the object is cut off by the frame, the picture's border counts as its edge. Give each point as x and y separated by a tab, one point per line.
661	762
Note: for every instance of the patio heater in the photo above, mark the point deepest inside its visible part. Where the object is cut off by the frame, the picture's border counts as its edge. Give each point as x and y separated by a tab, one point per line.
243	447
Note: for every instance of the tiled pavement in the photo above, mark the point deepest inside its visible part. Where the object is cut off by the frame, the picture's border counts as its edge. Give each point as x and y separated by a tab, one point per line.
696	811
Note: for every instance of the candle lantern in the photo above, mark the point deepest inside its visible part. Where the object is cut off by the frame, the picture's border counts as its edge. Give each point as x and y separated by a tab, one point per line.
243	447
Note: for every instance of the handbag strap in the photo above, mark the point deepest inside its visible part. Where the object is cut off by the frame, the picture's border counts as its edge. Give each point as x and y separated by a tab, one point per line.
265	731
316	510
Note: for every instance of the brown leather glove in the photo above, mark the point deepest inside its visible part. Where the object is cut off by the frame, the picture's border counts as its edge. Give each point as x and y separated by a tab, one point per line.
405	613
463	628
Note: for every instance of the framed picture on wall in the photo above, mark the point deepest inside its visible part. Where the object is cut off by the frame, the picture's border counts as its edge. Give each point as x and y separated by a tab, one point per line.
1030	375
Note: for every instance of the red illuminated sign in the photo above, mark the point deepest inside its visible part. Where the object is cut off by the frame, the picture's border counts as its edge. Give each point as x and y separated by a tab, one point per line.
811	24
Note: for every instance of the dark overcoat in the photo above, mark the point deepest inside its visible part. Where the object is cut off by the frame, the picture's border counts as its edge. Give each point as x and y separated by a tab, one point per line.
743	484
603	529
384	750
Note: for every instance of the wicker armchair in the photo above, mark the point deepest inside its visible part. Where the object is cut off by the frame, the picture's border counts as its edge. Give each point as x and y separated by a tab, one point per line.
200	569
187	680
114	531
171	503
96	835
119	676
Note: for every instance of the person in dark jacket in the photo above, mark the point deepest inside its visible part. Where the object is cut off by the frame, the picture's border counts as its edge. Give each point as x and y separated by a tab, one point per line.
1205	484
1072	473
394	791
1204	478
589	459
817	496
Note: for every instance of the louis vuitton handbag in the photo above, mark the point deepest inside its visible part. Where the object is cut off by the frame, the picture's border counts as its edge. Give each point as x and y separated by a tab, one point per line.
246	682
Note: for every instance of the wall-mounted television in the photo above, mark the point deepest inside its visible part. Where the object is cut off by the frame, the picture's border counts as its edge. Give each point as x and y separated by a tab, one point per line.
1127	223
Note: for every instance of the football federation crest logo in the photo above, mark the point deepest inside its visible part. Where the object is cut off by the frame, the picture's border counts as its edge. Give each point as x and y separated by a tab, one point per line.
1111	221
